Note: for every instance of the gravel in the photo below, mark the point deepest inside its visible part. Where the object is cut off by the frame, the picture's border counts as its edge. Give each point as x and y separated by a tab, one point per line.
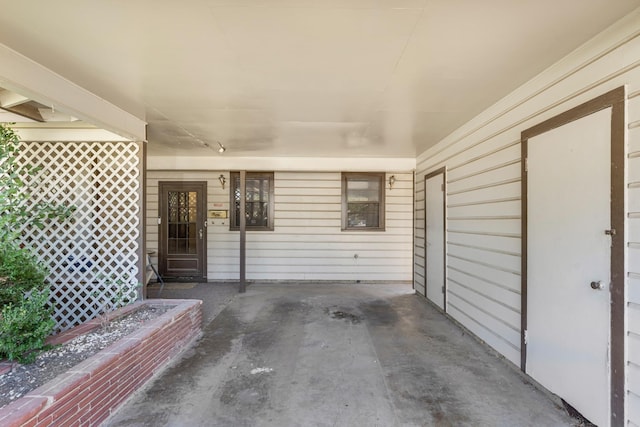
48	365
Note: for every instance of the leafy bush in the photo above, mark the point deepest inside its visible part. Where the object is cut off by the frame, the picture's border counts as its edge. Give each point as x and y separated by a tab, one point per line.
25	326
20	273
26	320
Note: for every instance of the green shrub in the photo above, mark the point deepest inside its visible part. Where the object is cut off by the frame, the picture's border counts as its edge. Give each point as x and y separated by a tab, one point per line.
26	320
20	272
25	326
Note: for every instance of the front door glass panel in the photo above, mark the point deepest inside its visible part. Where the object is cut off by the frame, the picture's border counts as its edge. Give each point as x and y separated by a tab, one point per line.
182	222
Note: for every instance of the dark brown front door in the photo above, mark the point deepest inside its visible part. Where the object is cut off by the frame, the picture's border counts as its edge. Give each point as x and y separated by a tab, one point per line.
183	230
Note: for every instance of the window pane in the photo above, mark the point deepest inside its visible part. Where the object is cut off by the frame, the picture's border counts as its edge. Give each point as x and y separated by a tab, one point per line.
193	206
256	203
363	189
182	222
257	189
257	214
363	215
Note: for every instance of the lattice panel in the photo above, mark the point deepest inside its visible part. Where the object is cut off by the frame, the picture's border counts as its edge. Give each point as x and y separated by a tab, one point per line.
93	257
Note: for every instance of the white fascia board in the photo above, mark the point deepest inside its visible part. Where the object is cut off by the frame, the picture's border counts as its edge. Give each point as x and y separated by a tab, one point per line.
26	77
298	164
67	134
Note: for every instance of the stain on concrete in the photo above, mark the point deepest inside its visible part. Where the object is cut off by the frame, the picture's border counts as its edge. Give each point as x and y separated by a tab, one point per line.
344	315
266	329
379	313
581	421
215	342
250	392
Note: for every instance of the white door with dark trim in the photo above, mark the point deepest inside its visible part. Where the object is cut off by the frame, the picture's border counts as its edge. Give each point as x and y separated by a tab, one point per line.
434	239
568	262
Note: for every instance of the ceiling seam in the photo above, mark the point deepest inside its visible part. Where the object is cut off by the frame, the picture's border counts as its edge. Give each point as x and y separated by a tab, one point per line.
395	68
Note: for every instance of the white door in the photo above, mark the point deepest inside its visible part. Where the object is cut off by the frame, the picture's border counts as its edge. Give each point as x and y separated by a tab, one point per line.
569	192
434	238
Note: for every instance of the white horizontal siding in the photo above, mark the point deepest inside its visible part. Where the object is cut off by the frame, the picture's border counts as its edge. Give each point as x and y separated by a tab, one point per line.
481	326
307	242
489	273
499	244
507	208
482	159
419	282
505	262
633	294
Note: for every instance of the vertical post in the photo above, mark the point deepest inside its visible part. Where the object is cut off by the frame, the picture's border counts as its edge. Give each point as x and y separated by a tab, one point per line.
142	254
243	231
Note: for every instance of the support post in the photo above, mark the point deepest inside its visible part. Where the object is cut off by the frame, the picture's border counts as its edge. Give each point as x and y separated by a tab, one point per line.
243	231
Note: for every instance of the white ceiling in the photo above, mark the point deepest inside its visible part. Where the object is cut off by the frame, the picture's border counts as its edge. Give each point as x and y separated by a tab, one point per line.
350	78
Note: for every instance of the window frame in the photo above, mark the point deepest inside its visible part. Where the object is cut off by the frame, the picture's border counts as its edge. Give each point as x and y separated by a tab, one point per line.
346	176
271	209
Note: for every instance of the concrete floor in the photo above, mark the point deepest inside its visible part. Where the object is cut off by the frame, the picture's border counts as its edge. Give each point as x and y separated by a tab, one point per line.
334	355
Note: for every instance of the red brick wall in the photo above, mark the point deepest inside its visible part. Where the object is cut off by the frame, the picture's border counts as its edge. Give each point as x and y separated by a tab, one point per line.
88	393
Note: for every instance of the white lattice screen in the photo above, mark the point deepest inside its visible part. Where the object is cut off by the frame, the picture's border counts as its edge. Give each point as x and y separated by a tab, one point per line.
93	257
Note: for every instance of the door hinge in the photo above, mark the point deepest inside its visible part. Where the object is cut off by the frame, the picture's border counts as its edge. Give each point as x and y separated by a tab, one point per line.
159	220
526	336
526	164
611	232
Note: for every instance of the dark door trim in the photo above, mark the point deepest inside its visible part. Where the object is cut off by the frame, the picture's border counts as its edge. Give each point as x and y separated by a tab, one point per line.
616	100
442	171
163	187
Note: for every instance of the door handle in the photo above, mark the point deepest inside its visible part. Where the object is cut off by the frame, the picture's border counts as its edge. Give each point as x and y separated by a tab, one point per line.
597	285
200	233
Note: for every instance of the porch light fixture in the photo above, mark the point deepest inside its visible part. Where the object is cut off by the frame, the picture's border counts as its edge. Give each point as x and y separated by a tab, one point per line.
392	180
223	180
222	148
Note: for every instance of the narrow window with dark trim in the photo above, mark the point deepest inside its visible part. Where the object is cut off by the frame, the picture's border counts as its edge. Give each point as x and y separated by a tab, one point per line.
259	206
363	201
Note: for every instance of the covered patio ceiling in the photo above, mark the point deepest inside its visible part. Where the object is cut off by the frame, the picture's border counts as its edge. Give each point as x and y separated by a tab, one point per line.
333	78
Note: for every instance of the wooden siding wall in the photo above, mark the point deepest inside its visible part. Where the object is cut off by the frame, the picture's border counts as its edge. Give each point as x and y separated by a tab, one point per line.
482	159
307	242
633	316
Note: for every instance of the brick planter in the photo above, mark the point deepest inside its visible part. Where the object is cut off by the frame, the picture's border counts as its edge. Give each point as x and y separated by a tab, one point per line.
89	392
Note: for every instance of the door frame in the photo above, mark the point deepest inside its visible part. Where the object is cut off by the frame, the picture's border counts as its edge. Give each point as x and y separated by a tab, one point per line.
443	171
162	232
614	99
